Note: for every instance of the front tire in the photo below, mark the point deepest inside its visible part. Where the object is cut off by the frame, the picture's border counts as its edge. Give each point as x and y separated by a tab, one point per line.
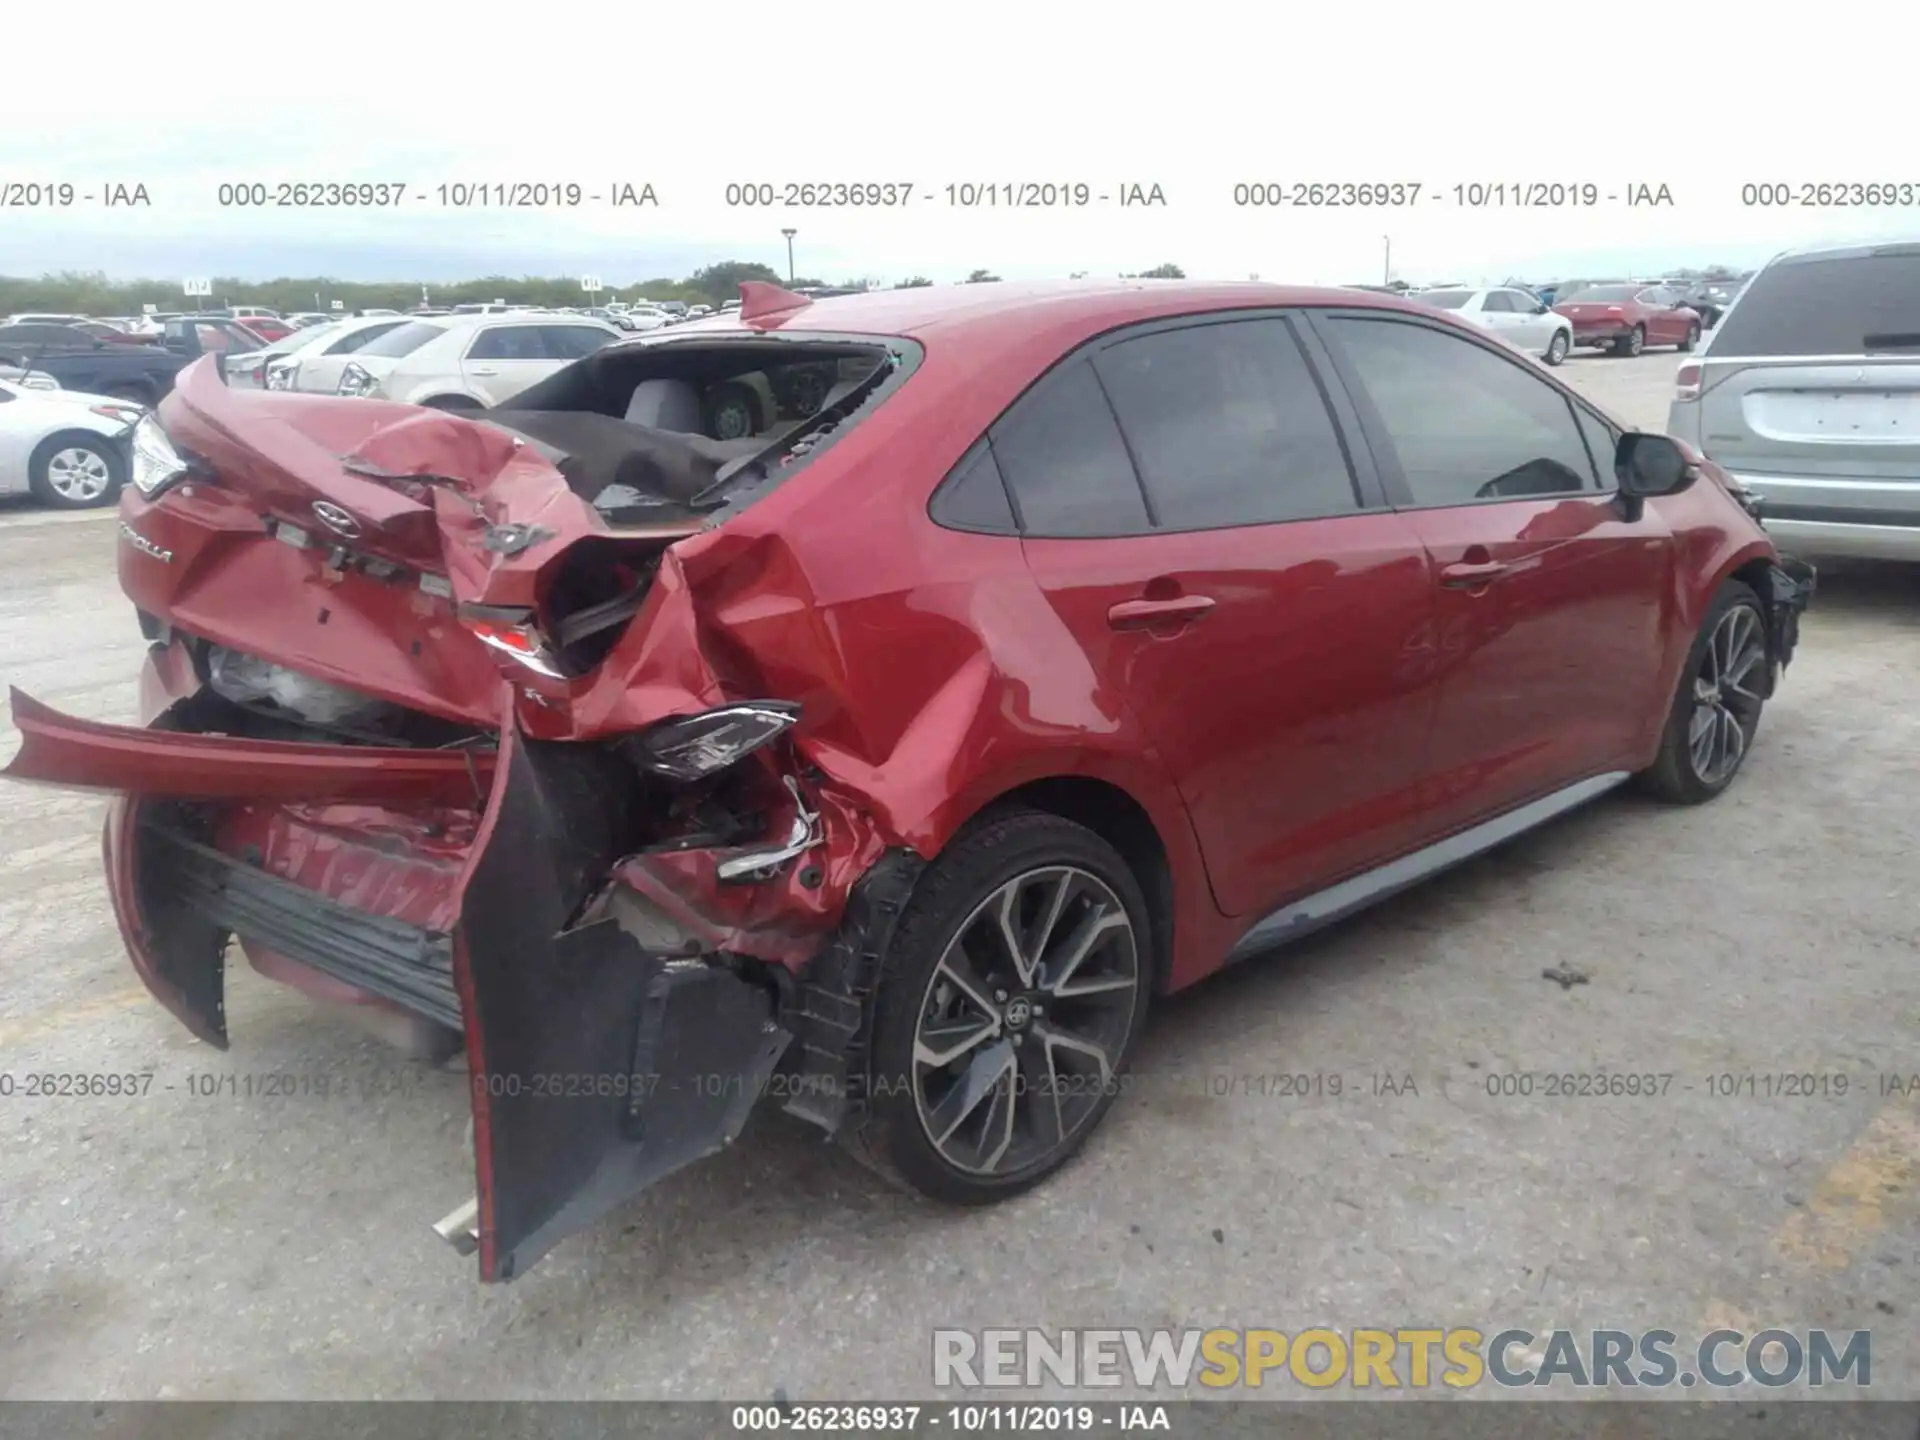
1006	1009
1558	347
76	471
454	404
1716	712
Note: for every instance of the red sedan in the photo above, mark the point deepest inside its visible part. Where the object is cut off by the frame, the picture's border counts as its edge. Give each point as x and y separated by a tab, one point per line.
1039	651
1627	318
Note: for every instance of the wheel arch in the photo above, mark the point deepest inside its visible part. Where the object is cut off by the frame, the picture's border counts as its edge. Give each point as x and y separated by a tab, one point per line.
1124	823
1152	834
72	432
116	458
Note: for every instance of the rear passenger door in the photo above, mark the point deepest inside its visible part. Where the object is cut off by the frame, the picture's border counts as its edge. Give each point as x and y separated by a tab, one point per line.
1549	599
1193	512
503	360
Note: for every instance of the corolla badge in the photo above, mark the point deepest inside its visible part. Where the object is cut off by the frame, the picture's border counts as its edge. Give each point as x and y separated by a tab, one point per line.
336	519
145	546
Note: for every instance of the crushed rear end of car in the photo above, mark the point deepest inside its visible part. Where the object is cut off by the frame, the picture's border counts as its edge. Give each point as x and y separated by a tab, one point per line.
479	725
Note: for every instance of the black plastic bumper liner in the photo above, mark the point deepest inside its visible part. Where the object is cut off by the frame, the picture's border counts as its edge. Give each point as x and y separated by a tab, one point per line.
406	964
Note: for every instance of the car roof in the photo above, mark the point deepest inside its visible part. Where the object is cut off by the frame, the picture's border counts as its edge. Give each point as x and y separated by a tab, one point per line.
1848	249
1014	305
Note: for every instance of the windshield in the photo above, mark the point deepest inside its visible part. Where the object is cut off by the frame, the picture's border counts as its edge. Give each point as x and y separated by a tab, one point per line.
1445	299
1857	304
1605	292
404	340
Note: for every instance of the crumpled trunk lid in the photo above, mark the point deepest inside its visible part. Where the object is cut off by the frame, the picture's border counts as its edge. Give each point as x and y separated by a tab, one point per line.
418	487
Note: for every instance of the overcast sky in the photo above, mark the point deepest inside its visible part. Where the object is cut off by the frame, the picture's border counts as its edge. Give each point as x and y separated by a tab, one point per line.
1193	98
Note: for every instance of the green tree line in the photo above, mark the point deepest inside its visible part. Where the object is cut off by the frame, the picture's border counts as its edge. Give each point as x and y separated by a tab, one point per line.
93	293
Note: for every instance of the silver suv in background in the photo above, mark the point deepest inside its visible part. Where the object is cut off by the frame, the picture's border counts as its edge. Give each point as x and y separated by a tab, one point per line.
1808	391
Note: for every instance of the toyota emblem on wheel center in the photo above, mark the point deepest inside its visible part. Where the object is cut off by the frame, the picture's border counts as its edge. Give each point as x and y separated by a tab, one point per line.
336	519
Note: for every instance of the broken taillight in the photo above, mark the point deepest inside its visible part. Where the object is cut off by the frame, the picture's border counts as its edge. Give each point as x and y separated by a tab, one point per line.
520	641
156	464
691	747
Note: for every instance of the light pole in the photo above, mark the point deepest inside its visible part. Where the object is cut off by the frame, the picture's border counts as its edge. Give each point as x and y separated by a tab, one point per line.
1386	270
789	233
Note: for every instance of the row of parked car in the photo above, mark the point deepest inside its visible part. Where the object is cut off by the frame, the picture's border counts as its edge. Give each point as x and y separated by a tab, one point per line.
1624	318
71	395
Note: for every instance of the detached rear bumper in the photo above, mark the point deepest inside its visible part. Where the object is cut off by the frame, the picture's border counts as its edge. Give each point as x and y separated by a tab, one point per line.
1790	587
609	1044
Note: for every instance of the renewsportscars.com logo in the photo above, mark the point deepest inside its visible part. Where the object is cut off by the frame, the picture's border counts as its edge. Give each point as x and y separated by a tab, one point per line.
1398	1358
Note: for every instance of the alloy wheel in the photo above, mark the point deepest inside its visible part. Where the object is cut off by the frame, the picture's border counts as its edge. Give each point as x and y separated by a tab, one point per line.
1023	1021
79	474
1557	348
1725	703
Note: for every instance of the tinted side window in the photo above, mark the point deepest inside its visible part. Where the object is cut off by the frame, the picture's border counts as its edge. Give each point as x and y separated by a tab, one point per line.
508	342
1497	301
1828	305
974	497
1064	461
571	342
1519	303
1464	423
1226	425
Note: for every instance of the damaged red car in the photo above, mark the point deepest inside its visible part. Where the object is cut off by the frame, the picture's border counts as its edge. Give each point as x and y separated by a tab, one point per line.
874	703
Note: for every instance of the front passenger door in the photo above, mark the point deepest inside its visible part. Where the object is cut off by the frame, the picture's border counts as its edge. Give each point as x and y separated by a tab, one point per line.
1549	600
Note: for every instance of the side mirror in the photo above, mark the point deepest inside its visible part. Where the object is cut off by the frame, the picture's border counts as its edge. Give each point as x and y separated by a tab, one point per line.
1542	308
1646	464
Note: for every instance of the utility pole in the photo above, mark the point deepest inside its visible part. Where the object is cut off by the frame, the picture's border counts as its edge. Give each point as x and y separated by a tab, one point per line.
1386	270
789	233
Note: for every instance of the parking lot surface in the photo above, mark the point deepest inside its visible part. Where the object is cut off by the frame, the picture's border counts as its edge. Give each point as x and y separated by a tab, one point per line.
222	1245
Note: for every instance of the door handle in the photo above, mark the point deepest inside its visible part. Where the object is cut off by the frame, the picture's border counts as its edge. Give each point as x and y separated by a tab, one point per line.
1145	614
483	370
1471	575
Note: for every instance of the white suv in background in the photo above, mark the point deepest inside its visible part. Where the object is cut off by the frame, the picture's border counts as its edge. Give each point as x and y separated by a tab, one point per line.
468	362
1524	321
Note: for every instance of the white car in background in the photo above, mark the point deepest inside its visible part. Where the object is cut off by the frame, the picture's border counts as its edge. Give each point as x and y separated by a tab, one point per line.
640	318
1524	321
469	362
67	448
249	371
316	366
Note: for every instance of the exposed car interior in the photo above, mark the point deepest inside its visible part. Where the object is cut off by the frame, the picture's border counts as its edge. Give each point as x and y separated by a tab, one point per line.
648	433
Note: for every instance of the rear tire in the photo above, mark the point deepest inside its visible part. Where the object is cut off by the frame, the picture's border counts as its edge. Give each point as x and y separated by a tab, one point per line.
1036	1033
1631	343
1716	709
1693	338
76	470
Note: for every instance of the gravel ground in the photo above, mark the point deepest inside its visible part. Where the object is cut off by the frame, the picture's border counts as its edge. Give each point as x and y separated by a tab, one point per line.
225	1247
